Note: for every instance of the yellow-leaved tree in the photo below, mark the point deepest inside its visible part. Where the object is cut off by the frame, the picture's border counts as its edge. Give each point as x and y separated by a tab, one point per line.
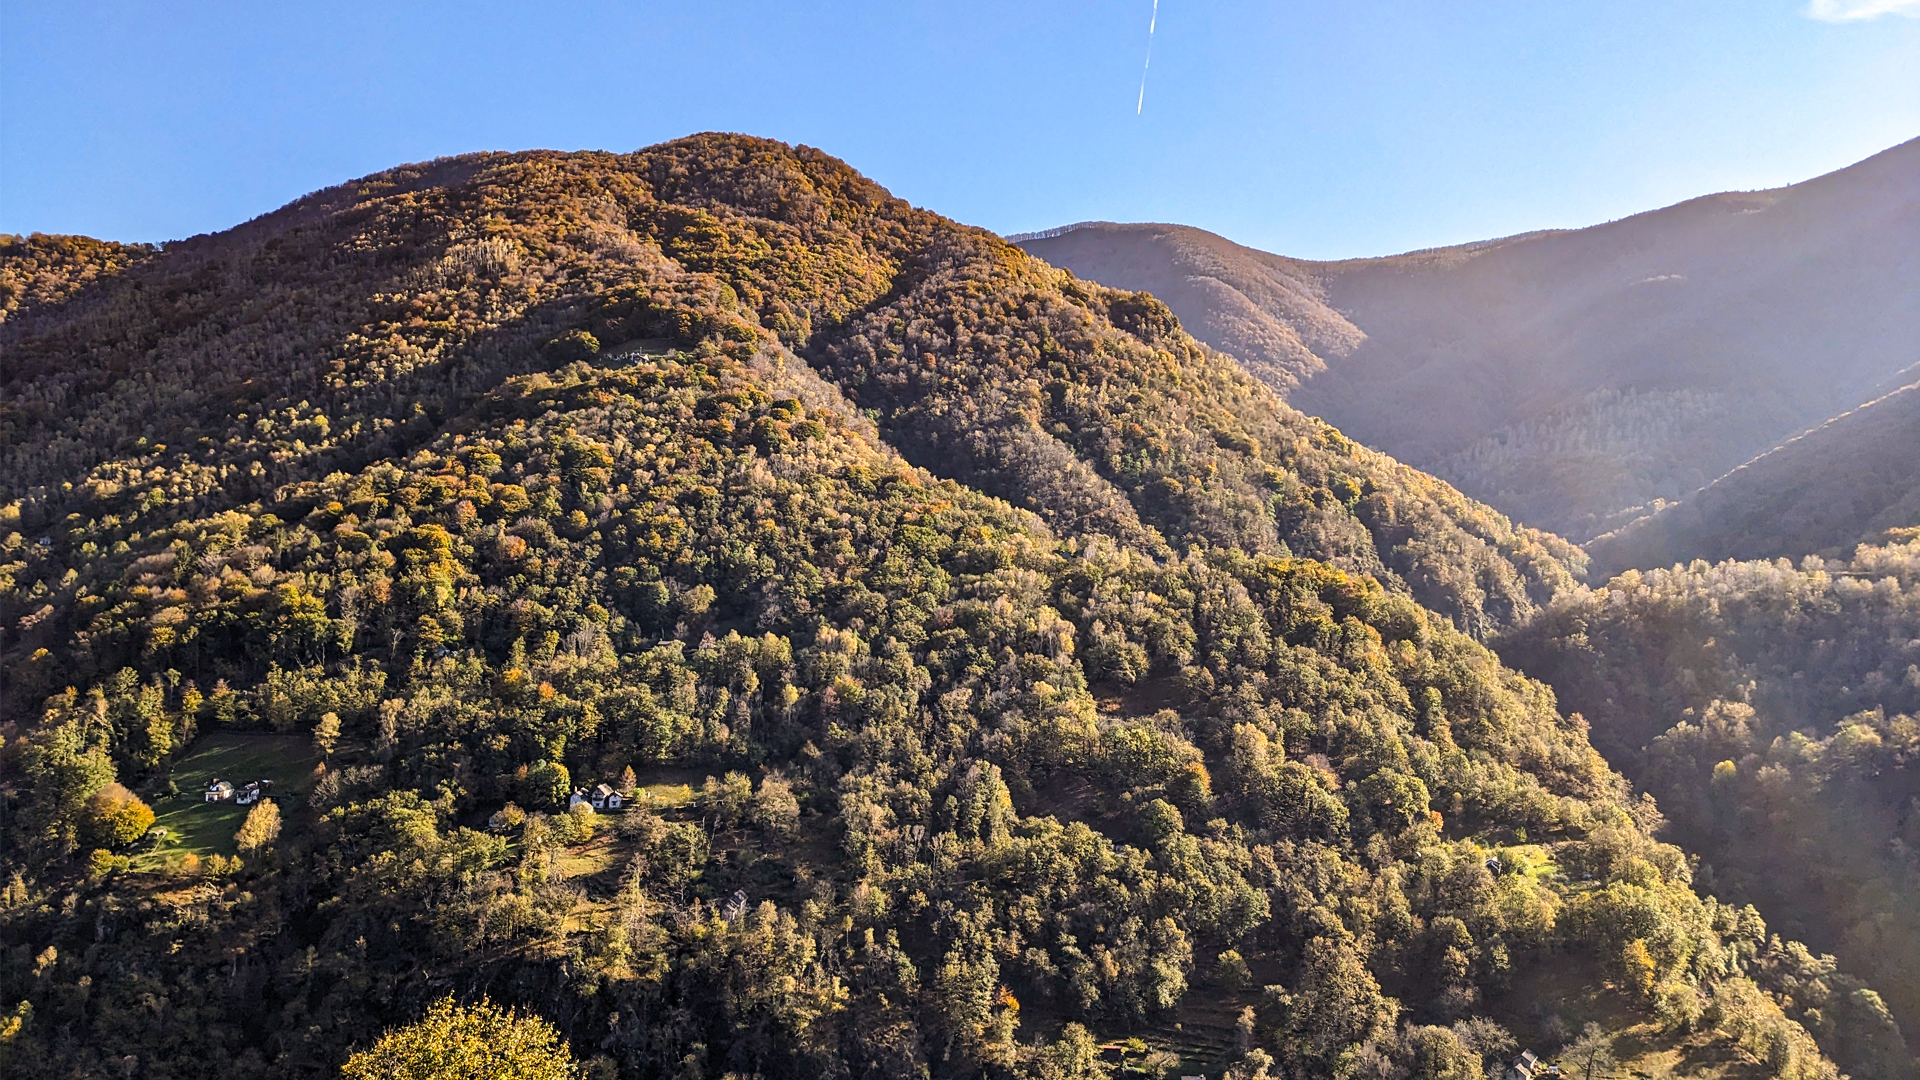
464	1042
115	817
261	828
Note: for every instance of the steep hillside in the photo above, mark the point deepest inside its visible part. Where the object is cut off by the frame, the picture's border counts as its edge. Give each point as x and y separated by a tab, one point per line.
1123	426
1268	311
996	672
1772	711
42	270
1570	377
1847	481
1005	373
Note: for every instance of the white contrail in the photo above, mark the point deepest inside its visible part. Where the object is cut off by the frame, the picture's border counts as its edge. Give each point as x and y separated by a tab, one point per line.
1154	18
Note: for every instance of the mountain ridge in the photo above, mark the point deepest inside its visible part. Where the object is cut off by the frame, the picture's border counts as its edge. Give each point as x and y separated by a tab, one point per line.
1671	345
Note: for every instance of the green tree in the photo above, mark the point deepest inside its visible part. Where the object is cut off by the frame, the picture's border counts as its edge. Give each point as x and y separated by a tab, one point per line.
571	346
63	771
159	732
775	808
548	784
1253	1066
1073	1056
1340	1003
577	825
1590	1053
1436	1053
326	734
300	623
461	1042
728	798
1231	969
103	862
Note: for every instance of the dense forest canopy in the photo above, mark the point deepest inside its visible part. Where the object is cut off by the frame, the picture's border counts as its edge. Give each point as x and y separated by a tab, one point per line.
1003	682
1772	709
39	270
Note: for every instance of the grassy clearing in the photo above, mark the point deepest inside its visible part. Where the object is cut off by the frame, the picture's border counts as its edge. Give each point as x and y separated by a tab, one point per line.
195	826
637	348
662	796
595	857
663	788
1533	860
1572	987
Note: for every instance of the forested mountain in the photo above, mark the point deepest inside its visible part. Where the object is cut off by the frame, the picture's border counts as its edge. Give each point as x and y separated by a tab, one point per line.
38	270
1774	711
1848	481
996	671
1569	378
1268	311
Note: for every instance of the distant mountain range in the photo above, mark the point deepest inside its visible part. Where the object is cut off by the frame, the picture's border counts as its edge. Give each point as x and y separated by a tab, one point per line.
1574	379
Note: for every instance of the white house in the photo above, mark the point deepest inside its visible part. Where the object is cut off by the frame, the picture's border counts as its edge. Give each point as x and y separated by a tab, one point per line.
219	791
1529	1067
579	798
605	798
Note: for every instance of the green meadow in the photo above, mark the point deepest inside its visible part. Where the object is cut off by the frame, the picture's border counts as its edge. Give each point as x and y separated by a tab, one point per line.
195	826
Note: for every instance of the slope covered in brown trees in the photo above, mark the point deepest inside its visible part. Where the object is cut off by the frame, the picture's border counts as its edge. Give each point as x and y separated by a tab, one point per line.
1571	377
42	270
997	673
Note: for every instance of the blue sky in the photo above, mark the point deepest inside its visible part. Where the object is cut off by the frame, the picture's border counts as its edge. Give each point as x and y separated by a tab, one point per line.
1318	128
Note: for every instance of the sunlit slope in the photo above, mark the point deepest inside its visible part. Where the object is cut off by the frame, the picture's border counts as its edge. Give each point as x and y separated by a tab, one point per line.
1087	406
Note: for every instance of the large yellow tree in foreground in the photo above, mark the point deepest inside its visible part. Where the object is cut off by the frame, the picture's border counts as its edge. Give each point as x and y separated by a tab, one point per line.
459	1042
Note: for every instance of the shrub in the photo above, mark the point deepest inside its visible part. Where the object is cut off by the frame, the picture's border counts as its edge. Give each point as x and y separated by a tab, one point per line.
576	826
548	784
571	346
